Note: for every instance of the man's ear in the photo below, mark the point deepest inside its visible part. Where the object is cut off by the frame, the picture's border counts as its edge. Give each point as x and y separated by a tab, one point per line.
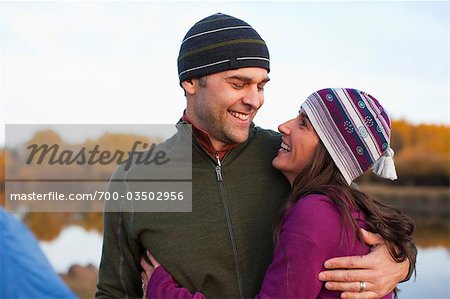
189	86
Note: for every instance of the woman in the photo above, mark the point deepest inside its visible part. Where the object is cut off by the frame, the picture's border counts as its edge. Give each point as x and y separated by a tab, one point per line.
337	136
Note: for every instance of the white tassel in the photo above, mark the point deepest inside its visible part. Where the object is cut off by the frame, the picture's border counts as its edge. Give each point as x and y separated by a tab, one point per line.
384	167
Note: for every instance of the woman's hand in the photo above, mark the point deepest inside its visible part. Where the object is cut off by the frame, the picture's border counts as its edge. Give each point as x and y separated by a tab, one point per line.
148	270
163	285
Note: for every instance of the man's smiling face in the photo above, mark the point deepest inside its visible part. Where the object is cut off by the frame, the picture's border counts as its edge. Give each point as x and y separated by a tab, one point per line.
226	106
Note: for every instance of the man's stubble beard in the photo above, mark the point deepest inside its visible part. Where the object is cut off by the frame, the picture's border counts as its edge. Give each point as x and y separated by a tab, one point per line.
218	128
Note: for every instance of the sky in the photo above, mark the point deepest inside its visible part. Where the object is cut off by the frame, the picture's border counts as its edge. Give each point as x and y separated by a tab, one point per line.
115	62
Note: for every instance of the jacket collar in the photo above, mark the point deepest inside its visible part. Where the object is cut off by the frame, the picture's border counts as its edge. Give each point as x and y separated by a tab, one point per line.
203	138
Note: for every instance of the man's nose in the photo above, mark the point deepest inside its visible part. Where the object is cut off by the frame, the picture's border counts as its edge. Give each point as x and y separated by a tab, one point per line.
254	97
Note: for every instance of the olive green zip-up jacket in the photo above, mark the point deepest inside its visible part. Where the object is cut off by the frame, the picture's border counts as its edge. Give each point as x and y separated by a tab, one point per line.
223	247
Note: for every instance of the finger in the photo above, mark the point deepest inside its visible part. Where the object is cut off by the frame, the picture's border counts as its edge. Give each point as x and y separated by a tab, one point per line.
155	263
348	262
145	265
144	277
347	286
358	295
346	276
371	238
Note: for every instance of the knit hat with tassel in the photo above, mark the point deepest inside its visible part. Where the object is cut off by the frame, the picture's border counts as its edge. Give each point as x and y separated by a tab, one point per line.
355	130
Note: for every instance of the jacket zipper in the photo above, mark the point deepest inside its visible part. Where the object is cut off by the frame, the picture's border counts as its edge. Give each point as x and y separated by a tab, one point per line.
219	176
230	227
219	169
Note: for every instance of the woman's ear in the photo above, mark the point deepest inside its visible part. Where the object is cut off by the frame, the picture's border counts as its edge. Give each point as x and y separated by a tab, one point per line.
189	86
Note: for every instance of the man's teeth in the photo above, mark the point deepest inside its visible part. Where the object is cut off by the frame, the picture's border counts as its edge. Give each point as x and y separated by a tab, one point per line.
285	147
241	116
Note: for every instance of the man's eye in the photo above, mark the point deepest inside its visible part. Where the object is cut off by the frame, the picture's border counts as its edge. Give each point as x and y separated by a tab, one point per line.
261	87
237	85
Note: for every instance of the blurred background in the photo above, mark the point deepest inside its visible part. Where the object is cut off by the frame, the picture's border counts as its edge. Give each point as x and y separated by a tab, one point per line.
115	62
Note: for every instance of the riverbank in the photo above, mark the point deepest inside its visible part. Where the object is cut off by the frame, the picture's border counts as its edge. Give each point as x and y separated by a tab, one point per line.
428	206
82	280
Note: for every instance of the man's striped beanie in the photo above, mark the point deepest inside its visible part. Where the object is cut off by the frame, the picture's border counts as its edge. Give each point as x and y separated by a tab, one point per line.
219	43
355	130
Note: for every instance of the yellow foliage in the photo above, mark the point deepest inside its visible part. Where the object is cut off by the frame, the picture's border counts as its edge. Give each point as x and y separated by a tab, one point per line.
429	139
422	152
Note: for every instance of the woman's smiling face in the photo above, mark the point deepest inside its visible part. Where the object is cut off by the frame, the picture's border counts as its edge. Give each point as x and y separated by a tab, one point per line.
299	143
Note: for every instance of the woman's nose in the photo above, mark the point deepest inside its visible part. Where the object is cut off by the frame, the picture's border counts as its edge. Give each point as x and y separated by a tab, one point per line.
284	128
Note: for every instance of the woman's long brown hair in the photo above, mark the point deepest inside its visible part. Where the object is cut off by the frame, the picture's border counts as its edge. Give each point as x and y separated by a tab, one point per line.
321	176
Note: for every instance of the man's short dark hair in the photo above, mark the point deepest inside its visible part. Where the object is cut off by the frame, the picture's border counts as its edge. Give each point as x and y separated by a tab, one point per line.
202	81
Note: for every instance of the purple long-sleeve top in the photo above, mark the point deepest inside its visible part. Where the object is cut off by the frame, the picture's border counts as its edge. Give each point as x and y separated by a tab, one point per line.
311	232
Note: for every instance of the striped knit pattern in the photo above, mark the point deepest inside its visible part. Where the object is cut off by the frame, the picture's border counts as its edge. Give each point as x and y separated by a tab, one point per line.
219	43
352	125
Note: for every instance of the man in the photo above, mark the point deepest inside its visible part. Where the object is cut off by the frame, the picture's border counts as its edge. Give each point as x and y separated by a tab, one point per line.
224	246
